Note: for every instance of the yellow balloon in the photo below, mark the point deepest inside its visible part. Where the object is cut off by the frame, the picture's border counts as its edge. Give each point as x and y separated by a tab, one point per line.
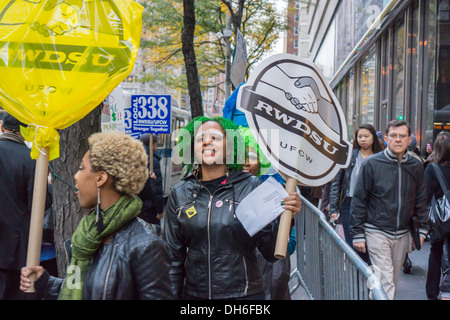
60	59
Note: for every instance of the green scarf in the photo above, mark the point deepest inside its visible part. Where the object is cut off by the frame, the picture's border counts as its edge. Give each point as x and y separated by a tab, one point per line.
86	240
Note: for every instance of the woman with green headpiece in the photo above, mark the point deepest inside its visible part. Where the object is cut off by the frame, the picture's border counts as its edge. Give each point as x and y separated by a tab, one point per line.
114	254
213	256
256	162
276	274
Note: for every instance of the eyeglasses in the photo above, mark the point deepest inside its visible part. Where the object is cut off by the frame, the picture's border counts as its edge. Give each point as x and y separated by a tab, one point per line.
394	136
252	156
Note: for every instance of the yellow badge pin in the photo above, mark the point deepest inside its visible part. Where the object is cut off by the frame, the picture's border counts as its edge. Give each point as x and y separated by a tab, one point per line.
191	212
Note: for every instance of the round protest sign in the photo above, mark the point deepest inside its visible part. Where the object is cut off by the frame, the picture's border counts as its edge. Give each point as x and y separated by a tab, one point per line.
296	118
298	123
60	59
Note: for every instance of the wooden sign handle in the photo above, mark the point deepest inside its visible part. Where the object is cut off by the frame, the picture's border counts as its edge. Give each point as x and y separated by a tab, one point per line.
284	228
37	214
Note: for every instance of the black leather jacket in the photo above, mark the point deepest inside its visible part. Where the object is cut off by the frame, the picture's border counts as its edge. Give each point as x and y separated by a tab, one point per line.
341	183
133	266
213	256
387	194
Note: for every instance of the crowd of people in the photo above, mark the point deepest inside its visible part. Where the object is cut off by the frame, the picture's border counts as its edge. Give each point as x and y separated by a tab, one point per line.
120	249
388	184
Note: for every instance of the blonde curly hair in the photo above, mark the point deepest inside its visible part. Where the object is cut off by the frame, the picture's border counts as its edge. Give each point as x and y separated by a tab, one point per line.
122	157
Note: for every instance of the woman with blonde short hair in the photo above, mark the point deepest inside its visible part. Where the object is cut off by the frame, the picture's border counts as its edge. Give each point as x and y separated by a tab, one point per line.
114	254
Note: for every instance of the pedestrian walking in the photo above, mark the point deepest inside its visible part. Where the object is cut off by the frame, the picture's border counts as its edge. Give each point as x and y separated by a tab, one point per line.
441	162
365	144
213	256
390	189
114	255
17	171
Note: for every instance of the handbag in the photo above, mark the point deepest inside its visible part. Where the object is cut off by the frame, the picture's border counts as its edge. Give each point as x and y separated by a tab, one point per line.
439	210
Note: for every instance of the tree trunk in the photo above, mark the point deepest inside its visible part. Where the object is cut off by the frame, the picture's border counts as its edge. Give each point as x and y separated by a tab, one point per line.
66	208
187	40
236	15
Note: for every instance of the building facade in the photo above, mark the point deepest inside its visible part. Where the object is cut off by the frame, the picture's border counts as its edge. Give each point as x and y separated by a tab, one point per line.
214	96
292	38
384	60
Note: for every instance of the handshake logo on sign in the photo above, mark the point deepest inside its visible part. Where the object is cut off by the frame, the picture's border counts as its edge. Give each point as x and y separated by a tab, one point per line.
287	98
58	18
64	20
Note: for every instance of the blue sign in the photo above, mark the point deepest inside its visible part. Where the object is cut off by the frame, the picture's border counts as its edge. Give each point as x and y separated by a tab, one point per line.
148	113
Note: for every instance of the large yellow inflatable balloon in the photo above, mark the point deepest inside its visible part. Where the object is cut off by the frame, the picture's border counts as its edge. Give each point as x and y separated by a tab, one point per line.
60	58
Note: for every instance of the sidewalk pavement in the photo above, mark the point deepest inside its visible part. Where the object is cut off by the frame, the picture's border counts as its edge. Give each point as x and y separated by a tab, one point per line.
410	287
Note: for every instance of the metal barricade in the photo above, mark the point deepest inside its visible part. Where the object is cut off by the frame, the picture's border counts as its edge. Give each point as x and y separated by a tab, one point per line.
327	267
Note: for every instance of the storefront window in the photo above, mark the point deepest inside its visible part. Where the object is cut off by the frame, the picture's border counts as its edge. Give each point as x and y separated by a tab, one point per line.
385	67
368	91
324	61
429	51
413	52
365	13
399	72
350	104
353	19
443	74
344	37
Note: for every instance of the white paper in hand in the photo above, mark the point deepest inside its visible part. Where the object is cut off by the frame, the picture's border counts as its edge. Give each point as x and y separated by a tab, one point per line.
261	206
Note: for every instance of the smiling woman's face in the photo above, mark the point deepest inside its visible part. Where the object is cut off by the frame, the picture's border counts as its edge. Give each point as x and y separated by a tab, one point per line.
209	144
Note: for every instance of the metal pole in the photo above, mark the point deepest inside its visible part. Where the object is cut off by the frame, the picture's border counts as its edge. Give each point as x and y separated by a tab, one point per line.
227	36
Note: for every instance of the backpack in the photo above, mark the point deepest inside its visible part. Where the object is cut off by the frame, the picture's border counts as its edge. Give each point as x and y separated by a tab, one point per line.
439	210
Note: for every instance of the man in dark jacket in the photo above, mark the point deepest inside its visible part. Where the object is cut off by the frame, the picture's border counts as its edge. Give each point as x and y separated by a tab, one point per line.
16	194
390	189
152	195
